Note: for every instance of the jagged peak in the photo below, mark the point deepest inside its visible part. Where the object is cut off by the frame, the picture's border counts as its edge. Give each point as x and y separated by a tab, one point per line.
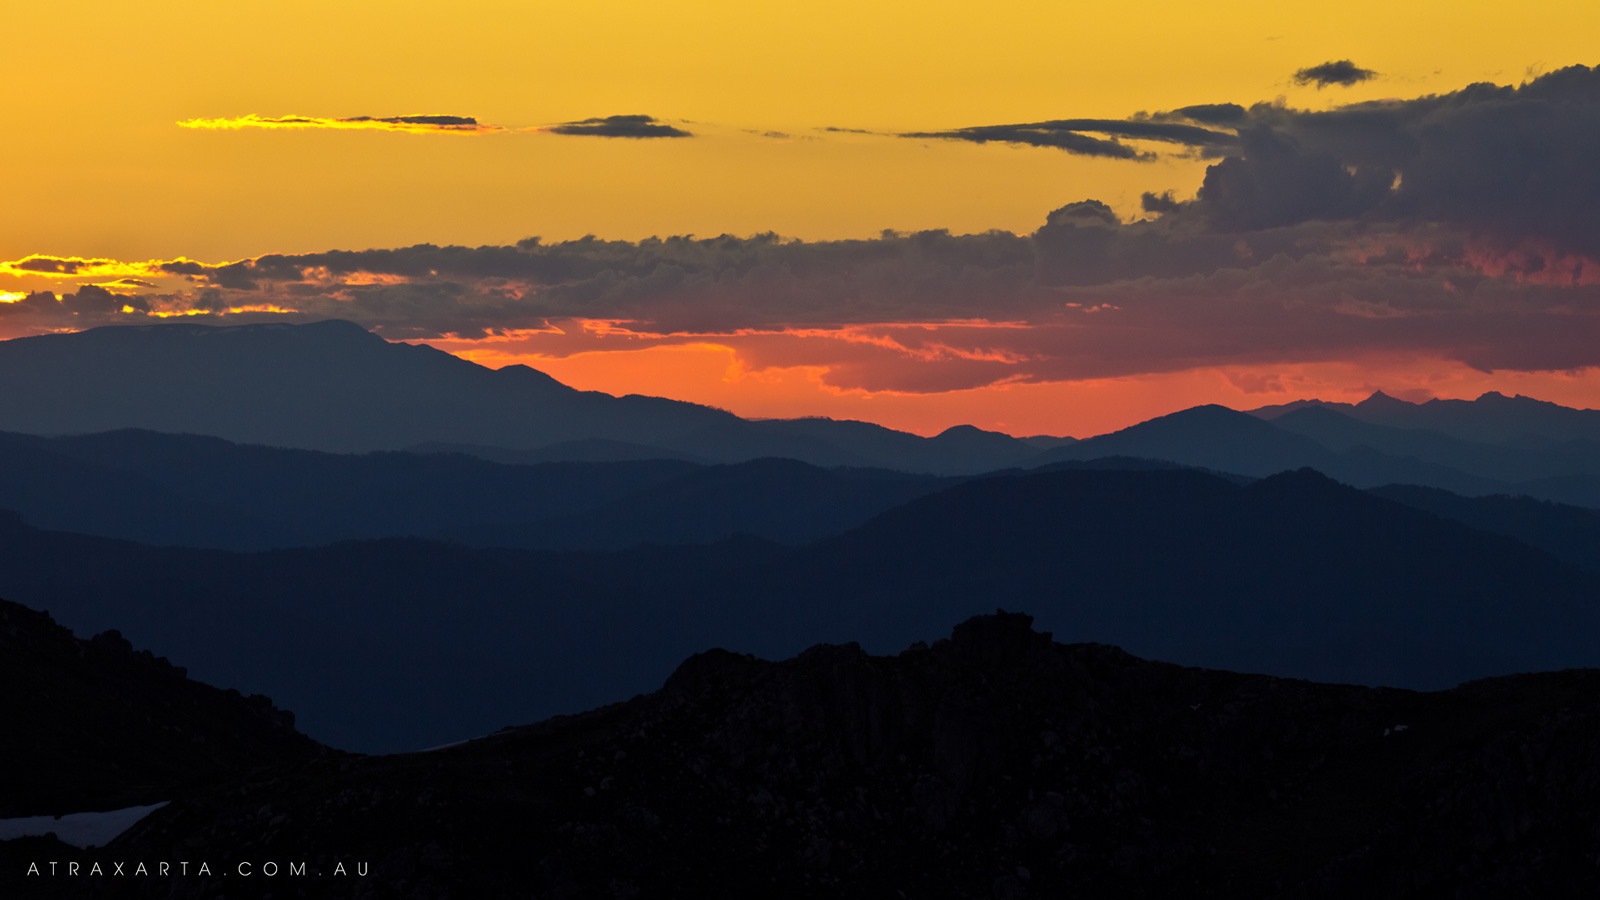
1379	398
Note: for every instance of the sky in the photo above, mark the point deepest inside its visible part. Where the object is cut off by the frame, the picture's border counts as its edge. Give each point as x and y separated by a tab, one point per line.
1042	218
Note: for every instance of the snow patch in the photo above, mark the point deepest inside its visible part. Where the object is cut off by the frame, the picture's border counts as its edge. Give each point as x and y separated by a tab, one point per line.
84	829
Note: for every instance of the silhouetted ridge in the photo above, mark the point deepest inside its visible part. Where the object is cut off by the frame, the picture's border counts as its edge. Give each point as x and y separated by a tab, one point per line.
1492	418
993	764
95	725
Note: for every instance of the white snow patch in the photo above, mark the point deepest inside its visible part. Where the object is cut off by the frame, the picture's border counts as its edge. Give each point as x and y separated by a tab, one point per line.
85	829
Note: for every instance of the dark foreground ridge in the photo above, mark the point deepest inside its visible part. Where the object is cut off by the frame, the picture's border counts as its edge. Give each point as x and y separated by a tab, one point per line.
995	764
94	724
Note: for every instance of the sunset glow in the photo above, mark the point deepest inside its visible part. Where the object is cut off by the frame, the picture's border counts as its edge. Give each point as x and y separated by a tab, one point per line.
717	375
1094	215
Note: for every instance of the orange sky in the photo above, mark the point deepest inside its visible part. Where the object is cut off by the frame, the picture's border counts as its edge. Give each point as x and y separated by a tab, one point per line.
107	159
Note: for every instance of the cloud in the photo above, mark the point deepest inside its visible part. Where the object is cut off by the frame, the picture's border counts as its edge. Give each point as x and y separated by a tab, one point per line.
1277	181
1159	204
1462	227
1086	296
635	126
1343	73
54	265
1070	135
1222	114
406	124
1506	163
62	267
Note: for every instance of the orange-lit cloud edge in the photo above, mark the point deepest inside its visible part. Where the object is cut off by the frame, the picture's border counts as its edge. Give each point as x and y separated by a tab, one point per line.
762	373
415	124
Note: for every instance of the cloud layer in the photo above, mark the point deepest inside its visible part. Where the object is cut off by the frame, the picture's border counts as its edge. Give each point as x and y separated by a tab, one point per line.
1462	227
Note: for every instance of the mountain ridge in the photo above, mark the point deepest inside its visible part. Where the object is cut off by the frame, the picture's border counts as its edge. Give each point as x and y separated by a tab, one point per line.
336	387
376	643
995	762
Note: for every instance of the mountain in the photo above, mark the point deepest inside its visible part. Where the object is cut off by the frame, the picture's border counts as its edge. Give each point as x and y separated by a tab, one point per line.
92	724
995	763
1294	574
59	491
400	644
1212	437
587	450
207	492
327	386
1501	462
1569	533
959	450
779	500
1349	449
197	491
1493	418
333	386
396	644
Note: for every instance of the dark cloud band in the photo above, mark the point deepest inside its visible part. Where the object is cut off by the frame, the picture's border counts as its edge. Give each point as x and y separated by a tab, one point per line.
1074	136
635	126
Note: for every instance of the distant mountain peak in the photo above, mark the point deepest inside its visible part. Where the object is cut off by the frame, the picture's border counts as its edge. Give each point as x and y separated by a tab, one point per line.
1380	400
959	430
1302	475
1519	400
1210	412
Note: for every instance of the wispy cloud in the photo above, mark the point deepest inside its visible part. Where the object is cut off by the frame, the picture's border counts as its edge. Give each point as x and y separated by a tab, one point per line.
403	124
1073	136
626	126
1340	73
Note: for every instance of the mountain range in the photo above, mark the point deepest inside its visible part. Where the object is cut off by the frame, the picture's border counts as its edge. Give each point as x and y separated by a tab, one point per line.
1362	453
404	643
335	387
408	550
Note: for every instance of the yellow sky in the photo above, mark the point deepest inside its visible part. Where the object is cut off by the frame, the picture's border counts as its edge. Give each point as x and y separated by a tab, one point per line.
96	165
